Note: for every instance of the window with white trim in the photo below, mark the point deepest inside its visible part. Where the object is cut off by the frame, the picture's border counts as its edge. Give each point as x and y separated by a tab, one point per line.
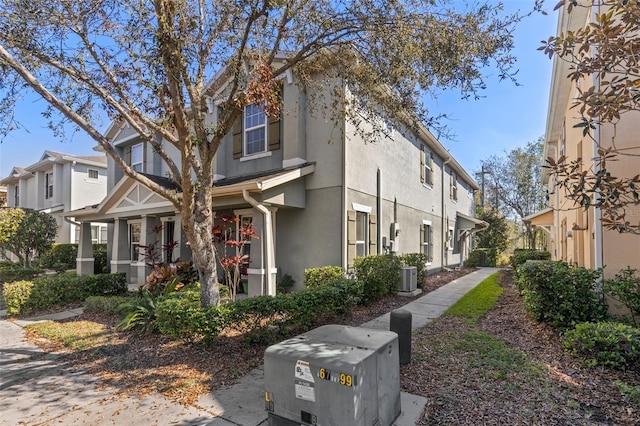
450	241
137	158
48	185
362	227
93	174
454	186
255	130
135	232
16	195
426	240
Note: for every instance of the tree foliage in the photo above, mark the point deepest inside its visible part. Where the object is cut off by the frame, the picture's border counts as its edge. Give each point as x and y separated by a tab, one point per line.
497	234
26	233
148	65
514	186
607	48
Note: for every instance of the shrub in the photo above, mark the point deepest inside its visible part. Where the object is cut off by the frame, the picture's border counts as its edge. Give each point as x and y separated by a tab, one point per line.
380	275
16	295
100	265
107	305
180	316
64	288
520	256
609	344
323	275
419	260
625	288
10	271
559	294
140	314
482	257
61	255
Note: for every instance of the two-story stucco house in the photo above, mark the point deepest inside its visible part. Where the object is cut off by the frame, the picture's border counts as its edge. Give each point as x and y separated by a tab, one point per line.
577	236
314	189
57	184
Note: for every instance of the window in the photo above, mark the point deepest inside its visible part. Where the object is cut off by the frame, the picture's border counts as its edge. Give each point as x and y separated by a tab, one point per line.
362	225
98	234
48	185
92	174
135	232
426	166
170	242
450	241
137	156
16	195
255	130
454	186
425	240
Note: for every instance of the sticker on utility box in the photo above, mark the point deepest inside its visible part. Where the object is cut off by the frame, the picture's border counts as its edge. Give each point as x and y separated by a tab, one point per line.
305	390
304	383
303	371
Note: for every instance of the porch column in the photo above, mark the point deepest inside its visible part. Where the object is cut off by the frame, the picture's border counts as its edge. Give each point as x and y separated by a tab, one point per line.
85	259
120	250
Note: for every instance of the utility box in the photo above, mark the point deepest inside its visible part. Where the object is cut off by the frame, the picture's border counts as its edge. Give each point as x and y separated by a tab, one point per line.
334	375
409	279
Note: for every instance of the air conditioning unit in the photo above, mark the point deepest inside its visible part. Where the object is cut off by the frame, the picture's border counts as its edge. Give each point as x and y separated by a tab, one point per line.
333	375
409	279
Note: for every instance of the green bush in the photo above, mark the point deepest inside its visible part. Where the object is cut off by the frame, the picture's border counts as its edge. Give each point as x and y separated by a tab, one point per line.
625	288
140	314
64	288
559	294
107	305
16	295
261	318
10	271
60	257
520	256
482	257
100	265
419	260
609	344
380	275
323	275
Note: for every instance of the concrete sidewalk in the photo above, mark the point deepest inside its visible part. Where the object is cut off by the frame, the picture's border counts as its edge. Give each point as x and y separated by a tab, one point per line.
37	388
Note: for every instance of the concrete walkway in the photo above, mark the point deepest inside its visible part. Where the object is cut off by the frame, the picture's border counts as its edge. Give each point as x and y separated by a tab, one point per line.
37	388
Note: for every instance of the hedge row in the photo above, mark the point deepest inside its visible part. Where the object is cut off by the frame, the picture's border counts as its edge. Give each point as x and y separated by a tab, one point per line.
62	257
180	316
60	289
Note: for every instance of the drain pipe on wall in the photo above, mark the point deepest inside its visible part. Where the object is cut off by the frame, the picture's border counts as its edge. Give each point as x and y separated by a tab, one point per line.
270	250
445	225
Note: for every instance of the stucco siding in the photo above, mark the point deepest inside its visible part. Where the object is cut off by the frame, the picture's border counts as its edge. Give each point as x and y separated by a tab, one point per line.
310	237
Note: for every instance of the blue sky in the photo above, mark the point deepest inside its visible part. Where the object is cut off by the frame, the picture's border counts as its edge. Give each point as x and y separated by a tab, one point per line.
507	117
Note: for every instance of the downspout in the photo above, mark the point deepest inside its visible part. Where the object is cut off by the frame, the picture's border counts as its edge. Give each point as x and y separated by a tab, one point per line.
378	206
597	217
270	250
443	210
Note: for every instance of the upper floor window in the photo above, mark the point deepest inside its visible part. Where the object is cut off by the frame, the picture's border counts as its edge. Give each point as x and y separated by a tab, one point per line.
92	174
16	195
48	185
426	166
255	130
137	156
453	186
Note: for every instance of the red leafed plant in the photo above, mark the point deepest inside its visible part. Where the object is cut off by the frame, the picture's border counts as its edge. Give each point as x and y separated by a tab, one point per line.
233	260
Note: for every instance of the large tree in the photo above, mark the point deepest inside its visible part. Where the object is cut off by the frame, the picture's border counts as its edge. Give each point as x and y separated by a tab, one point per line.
147	63
514	187
607	51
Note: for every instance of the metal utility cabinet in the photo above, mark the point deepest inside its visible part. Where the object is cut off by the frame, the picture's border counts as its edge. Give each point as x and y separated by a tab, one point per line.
334	376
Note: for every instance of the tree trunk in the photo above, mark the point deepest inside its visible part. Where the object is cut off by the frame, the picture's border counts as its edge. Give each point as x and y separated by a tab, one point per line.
198	226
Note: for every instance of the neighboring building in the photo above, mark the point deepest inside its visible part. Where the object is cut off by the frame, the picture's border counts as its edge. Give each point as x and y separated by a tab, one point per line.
57	184
316	192
3	195
577	235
